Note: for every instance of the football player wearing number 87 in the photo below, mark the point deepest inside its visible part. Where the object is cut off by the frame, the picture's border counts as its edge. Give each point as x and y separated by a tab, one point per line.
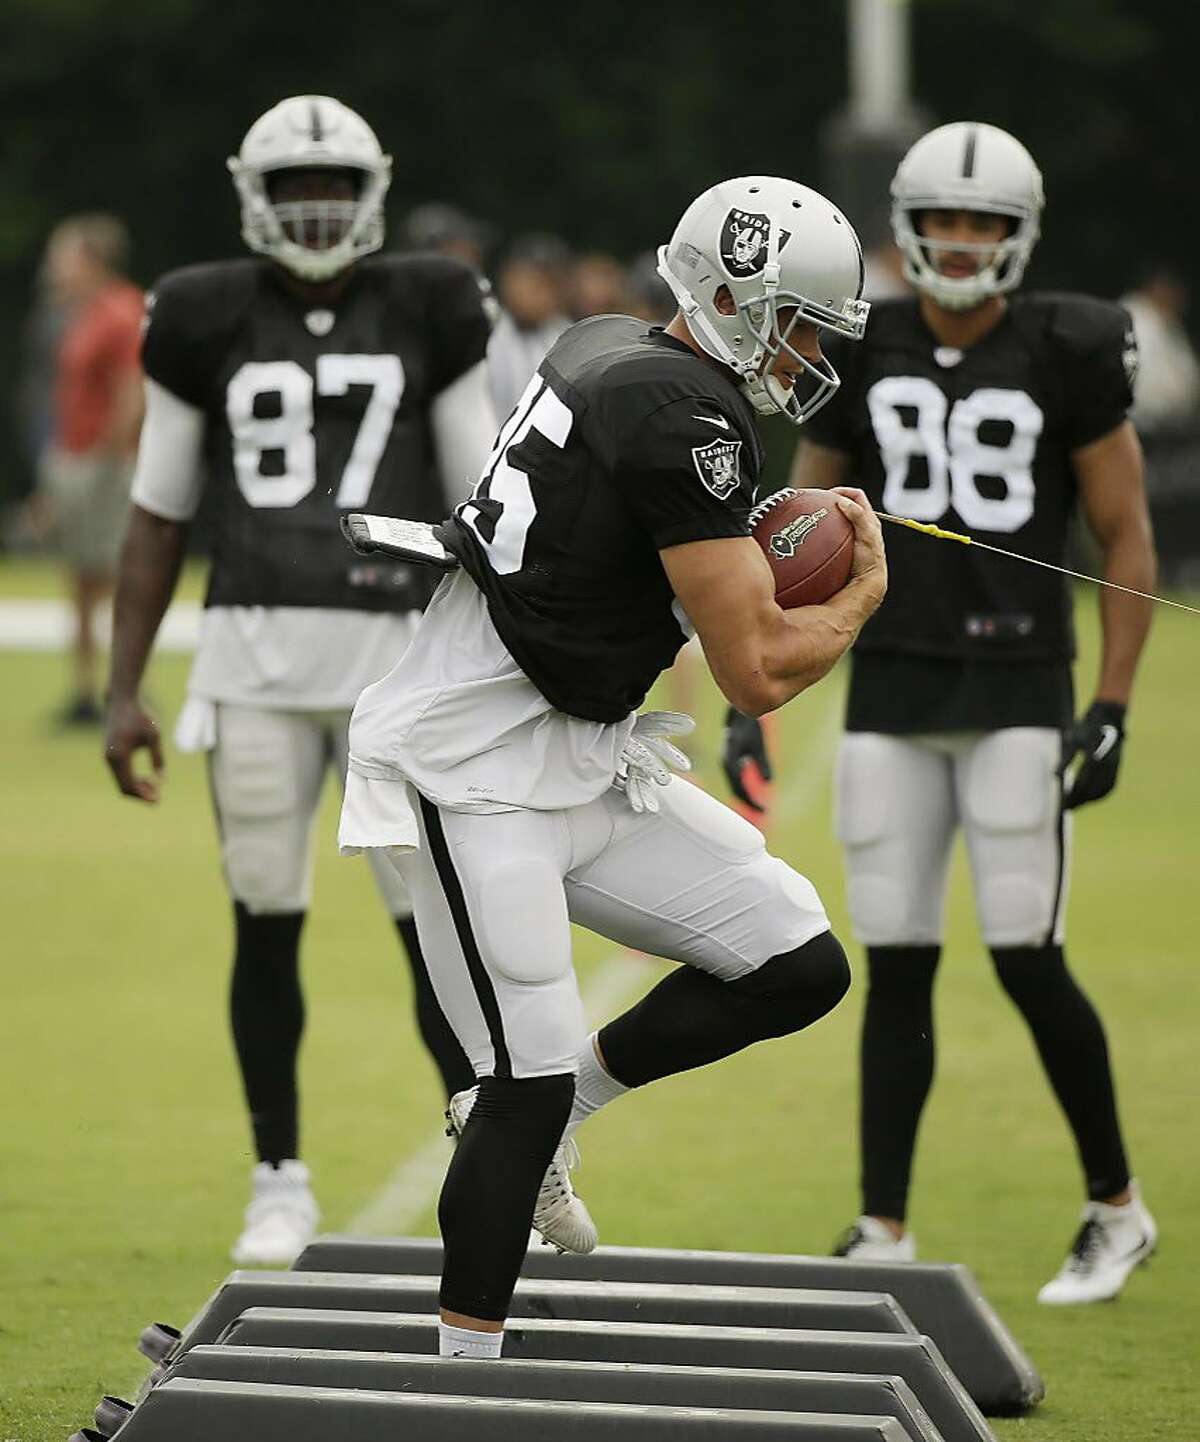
992	412
311	378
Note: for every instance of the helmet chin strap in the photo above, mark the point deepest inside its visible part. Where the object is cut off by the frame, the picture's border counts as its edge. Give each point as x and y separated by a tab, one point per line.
767	394
700	325
780	394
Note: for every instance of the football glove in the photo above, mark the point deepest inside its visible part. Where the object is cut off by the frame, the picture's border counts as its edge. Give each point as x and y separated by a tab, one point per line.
745	745
649	758
1098	736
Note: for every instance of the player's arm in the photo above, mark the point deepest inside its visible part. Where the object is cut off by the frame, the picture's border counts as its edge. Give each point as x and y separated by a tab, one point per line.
463	422
818	468
744	747
760	655
1113	498
1100	360
1112	495
166	492
462	414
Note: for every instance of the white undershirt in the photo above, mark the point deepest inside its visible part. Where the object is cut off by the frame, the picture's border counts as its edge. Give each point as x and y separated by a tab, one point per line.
295	657
459	719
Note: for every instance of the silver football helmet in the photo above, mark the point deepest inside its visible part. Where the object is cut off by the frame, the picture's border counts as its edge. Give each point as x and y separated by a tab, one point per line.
314	239
967	166
777	246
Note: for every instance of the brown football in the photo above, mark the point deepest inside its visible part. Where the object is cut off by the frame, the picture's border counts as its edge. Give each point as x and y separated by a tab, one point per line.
809	543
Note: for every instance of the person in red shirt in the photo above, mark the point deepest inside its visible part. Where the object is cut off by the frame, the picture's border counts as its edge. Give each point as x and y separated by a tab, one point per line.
87	469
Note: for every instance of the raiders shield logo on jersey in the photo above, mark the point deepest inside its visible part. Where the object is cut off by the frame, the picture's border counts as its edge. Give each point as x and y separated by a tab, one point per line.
717	466
744	242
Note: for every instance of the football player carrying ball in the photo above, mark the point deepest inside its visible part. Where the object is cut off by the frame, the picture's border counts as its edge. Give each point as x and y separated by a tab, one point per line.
611	519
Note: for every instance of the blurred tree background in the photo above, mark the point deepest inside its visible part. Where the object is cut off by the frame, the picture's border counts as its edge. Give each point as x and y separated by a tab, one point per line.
599	122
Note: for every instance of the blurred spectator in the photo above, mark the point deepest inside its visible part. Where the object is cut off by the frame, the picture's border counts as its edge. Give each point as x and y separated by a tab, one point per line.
598	286
651	295
1166	412
883	267
87	468
28	523
531	286
448	230
1167	388
40	340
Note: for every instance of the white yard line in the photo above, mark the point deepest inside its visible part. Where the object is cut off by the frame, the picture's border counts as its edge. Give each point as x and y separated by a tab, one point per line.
412	1188
46	625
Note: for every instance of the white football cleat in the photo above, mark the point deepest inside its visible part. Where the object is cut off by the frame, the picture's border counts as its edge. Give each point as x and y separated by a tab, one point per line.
869	1240
281	1219
559	1216
1110	1243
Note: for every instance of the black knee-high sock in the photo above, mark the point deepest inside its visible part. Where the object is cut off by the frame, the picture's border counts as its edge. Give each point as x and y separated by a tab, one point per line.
896	1071
1069	1036
442	1045
266	1008
489	1193
691	1018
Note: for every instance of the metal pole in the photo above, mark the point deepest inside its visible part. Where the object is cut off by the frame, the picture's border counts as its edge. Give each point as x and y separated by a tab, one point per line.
878	38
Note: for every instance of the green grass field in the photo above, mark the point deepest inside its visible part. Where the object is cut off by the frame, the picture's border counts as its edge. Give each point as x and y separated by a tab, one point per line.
125	1153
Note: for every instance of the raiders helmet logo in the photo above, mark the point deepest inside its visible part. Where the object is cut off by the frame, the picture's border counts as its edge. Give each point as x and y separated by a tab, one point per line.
717	466
784	543
743	245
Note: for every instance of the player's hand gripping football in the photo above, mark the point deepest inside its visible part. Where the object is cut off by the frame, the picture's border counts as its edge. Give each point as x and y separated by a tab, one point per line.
1098	736
744	753
868	567
649	757
130	730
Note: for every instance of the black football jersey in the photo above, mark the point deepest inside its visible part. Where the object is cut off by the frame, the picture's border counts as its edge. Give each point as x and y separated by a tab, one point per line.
314	411
978	441
625	442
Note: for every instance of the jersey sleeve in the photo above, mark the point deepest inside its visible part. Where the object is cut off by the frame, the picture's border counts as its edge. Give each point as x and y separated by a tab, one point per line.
1098	355
169	476
459	321
180	346
688	473
833	424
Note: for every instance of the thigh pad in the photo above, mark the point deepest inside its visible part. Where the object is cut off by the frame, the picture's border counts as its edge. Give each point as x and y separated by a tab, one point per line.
522	921
1008	783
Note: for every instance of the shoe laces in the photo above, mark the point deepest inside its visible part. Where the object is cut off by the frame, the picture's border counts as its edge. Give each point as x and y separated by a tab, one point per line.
458	1111
1088	1242
849	1239
556	1190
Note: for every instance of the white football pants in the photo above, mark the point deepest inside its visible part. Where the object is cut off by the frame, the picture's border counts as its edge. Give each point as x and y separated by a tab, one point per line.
267	770
494	896
899	801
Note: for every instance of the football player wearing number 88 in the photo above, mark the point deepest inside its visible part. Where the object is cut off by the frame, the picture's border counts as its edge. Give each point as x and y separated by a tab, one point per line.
991	412
310	379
